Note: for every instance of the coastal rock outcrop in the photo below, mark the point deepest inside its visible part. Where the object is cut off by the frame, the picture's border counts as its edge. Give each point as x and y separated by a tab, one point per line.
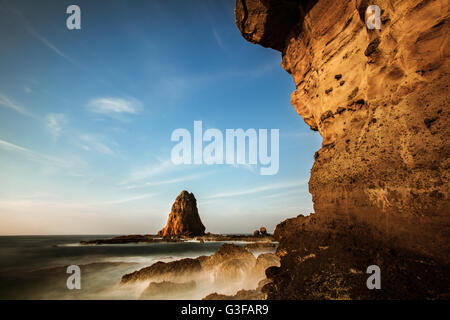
165	271
230	266
229	263
243	294
164	289
184	219
380	100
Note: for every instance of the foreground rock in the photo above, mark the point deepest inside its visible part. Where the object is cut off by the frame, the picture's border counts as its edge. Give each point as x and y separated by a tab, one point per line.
256	294
165	271
230	265
165	289
240	295
379	99
184	219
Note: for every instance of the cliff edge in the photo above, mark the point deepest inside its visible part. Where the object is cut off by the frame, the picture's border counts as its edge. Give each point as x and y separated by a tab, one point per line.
380	100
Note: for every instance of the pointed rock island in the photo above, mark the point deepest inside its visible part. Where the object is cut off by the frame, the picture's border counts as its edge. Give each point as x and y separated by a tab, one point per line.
184	219
184	224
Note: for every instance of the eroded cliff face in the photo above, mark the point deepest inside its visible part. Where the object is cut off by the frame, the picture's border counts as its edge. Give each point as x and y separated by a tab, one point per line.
380	100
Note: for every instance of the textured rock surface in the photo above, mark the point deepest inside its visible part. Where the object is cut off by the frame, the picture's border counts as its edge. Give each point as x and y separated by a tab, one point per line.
164	289
229	263
165	271
230	266
265	261
184	219
380	100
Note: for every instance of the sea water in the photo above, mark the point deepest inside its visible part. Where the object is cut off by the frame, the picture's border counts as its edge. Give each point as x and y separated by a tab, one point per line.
35	267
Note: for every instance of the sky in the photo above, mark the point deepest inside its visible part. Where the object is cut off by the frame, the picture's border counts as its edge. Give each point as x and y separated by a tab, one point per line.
86	118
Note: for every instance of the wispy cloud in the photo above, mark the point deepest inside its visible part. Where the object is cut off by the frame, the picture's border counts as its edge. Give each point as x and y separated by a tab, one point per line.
27	202
7	102
177	85
128	199
151	170
95	142
218	39
55	123
38	36
114	106
33	155
164	182
49	45
270	187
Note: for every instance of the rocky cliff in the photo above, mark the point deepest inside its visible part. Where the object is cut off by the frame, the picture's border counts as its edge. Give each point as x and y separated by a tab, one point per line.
380	100
184	219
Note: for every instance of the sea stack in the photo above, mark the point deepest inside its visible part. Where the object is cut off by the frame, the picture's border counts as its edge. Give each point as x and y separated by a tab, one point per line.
184	219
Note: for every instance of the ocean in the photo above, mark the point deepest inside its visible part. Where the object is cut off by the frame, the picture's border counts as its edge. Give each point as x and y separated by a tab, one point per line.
35	267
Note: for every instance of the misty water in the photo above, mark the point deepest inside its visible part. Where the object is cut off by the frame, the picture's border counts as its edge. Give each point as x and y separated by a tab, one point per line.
34	267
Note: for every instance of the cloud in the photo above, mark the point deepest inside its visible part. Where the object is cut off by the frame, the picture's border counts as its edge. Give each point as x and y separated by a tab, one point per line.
152	170
163	182
128	199
114	106
55	123
218	39
275	186
36	203
95	142
33	155
50	45
38	36
7	102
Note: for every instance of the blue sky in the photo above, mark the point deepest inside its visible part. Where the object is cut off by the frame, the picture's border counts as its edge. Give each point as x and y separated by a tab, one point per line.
86	118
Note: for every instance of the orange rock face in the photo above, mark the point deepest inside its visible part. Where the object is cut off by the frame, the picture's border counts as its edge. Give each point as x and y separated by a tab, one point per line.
184	219
380	100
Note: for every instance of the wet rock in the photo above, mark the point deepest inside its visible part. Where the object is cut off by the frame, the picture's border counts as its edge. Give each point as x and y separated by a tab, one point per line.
240	295
263	262
165	289
165	271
